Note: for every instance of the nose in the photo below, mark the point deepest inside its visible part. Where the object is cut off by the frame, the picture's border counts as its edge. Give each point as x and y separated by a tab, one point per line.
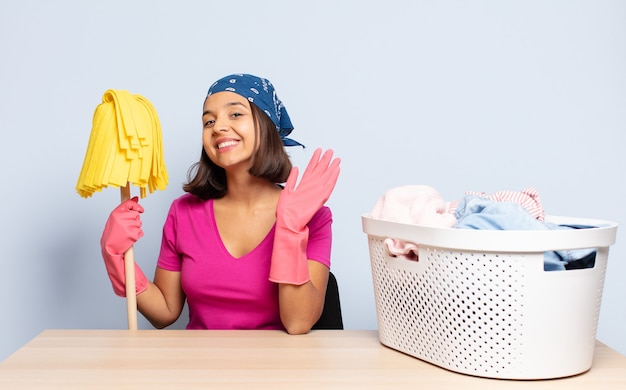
221	125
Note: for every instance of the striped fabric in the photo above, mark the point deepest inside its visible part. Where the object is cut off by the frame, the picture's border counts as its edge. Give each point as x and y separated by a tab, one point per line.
528	198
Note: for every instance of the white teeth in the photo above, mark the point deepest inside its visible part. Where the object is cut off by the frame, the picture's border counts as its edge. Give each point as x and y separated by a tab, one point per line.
225	144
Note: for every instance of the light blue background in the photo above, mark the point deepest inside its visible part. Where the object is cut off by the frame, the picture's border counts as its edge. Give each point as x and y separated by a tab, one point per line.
459	95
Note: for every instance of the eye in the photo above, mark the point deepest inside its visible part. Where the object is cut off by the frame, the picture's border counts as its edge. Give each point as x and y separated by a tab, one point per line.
236	114
209	123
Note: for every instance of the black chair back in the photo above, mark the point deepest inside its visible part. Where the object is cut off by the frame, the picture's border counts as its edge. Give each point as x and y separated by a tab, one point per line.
331	315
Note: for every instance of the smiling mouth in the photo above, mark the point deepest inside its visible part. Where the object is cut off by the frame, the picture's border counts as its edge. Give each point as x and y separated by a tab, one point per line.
226	144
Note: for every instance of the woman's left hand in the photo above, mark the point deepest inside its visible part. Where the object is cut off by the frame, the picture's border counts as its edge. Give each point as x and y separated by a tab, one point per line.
297	205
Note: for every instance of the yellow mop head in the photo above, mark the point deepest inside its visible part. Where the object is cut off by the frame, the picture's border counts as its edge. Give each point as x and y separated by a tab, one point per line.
124	146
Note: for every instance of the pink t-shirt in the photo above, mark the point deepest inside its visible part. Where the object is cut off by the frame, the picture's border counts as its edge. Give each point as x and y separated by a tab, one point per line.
224	292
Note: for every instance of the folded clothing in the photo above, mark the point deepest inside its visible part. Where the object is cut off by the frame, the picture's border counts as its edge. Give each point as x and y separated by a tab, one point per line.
528	198
480	213
503	210
412	204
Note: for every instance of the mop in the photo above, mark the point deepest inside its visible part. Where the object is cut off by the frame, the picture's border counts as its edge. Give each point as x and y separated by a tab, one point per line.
124	149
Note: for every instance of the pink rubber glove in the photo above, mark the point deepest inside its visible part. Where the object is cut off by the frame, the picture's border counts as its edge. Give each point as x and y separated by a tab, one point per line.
296	207
122	230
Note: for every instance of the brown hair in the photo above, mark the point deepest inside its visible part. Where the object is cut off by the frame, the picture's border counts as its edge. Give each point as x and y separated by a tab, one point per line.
270	161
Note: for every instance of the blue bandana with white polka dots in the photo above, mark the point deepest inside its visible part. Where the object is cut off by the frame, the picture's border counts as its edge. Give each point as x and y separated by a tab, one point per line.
261	92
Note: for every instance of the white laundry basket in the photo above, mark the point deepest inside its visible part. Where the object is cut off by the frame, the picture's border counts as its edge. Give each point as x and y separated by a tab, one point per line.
479	302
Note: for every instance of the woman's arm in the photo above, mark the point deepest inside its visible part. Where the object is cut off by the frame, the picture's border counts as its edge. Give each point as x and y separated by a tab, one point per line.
302	281
162	302
301	305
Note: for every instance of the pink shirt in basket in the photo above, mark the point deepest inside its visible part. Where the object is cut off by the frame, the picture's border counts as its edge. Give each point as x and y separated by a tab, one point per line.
224	292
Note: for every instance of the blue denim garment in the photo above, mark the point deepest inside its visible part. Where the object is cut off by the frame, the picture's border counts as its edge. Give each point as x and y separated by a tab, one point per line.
477	212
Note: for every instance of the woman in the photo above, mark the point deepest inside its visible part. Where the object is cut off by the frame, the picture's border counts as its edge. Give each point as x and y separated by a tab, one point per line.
243	252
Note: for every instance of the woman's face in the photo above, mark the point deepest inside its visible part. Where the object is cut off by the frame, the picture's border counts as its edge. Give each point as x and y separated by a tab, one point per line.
229	136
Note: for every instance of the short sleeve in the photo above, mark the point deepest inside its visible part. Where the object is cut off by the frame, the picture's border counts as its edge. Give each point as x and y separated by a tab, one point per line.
169	259
320	236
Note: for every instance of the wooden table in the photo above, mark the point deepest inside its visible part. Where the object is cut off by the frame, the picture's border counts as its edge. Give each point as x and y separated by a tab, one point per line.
186	359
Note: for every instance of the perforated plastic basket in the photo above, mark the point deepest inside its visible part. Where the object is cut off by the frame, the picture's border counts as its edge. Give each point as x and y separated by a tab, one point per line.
479	302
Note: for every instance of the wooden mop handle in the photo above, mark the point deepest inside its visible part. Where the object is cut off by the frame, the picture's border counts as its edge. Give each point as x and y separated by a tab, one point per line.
129	270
